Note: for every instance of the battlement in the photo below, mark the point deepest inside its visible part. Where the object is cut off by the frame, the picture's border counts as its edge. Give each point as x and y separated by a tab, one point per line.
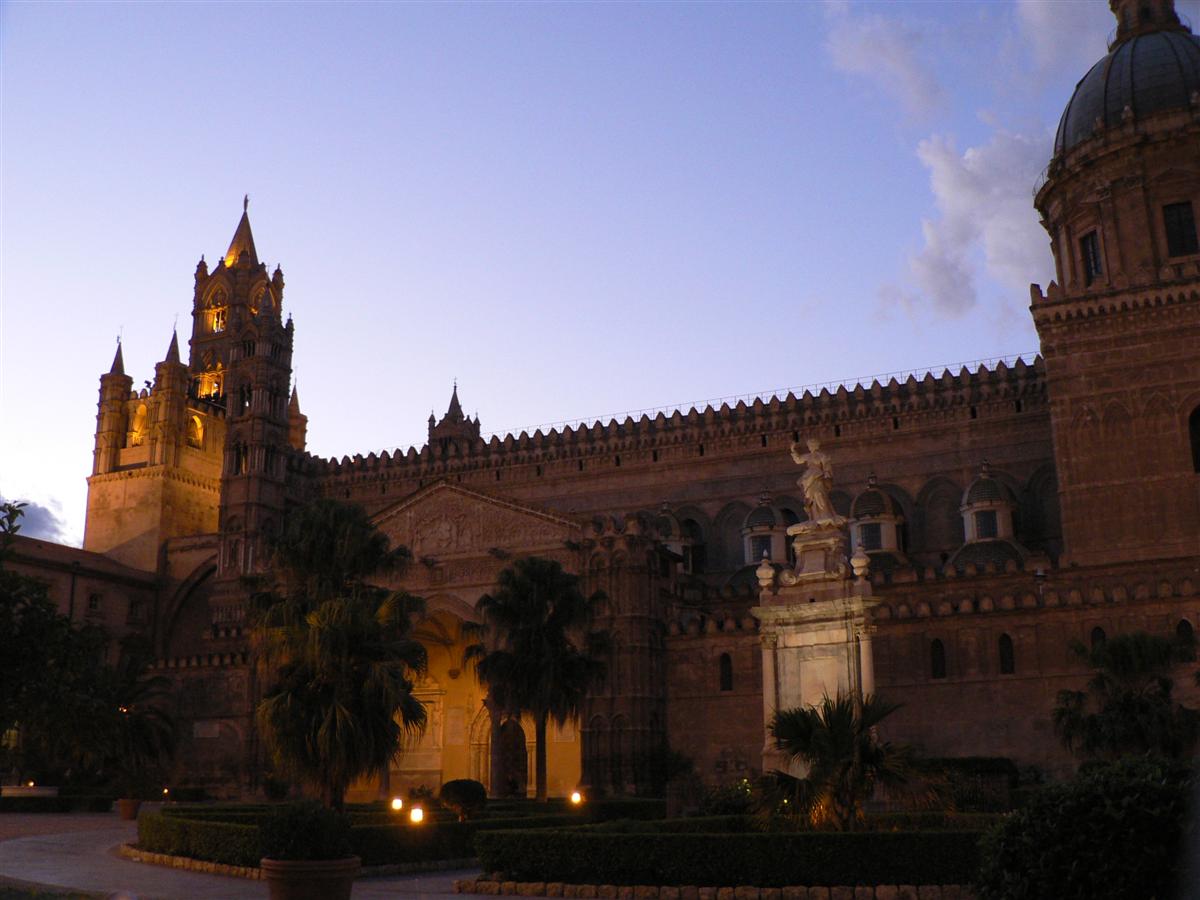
843	407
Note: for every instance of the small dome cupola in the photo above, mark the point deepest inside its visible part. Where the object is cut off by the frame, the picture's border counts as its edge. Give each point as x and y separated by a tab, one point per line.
876	521
987	511
764	531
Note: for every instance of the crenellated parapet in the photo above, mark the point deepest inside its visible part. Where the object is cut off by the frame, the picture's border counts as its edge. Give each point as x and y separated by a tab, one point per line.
840	411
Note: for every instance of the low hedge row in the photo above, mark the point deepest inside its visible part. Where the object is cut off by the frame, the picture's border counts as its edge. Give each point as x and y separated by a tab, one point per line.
231	843
181	831
762	860
61	804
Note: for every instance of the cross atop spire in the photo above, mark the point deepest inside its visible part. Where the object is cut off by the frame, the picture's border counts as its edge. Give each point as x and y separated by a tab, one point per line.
172	350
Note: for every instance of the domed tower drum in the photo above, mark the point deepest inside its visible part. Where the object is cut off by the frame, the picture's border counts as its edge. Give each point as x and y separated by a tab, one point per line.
1120	326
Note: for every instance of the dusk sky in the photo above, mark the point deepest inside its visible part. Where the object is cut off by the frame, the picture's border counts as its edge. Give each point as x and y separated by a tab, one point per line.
575	209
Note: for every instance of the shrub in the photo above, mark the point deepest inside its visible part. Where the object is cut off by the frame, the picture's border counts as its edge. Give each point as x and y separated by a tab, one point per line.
729	800
1112	832
464	796
764	860
223	842
305	830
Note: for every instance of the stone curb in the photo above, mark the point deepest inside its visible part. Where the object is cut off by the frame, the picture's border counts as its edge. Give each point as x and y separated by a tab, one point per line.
693	892
130	852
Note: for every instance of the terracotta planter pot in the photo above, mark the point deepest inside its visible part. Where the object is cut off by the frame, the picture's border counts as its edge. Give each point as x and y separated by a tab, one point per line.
310	879
128	809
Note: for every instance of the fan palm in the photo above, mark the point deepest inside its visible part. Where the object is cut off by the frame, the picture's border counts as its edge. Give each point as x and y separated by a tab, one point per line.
1126	708
338	651
538	654
845	759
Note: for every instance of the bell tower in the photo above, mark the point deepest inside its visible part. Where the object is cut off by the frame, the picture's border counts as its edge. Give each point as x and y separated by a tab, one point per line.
241	360
1120	325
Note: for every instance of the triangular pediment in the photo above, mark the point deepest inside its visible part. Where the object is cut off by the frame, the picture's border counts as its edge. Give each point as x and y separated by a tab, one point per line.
447	520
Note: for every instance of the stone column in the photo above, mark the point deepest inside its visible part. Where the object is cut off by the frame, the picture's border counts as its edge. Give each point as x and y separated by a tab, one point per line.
866	660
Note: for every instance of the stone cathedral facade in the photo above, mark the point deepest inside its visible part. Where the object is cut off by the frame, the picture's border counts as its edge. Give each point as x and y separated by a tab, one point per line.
995	514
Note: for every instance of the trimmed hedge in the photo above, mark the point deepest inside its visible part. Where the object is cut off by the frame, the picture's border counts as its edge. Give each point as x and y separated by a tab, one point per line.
198	832
763	860
224	842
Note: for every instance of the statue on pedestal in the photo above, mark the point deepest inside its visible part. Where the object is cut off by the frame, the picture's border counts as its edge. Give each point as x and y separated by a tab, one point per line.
816	482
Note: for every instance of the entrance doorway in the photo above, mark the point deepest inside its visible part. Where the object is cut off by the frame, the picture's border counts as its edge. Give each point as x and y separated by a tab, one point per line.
512	760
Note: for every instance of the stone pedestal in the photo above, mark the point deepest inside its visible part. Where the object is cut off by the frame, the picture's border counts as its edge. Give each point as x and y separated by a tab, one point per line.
815	626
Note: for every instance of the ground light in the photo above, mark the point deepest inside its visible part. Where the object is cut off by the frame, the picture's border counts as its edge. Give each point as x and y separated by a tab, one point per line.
416	815
576	798
397	804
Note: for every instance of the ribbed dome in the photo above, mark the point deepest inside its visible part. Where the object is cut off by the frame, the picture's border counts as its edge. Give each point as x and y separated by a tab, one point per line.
761	516
871	503
1149	73
985	489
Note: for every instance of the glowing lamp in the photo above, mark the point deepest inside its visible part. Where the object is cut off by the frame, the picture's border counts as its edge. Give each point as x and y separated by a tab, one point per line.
576	798
166	791
416	815
397	804
31	784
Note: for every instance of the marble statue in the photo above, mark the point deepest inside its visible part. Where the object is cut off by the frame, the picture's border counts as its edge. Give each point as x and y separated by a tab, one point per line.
816	482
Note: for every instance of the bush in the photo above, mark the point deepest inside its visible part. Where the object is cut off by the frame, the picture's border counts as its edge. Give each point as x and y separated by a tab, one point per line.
1112	832
464	796
305	830
735	799
764	860
223	842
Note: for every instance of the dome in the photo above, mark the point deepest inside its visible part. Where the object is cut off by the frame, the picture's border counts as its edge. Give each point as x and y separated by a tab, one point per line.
761	516
872	503
986	489
1150	72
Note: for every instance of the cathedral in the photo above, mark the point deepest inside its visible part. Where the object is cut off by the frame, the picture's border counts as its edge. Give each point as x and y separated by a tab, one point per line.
968	526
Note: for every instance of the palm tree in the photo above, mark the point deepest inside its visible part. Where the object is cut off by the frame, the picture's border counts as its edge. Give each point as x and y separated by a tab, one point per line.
538	654
1126	708
337	650
837	742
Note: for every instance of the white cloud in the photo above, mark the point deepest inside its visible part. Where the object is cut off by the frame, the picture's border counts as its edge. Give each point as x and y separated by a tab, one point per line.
886	52
1064	35
43	521
984	204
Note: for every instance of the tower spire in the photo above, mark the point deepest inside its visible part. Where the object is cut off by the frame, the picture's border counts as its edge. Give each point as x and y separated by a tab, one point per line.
172	350
118	363
243	239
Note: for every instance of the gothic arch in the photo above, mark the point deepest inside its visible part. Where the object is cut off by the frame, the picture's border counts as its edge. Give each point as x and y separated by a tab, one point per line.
937	522
725	548
188	614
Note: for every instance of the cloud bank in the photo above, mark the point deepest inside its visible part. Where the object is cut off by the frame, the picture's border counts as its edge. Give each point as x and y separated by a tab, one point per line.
885	52
43	521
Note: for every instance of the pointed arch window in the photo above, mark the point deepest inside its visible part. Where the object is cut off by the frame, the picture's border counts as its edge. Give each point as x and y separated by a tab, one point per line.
1008	662
937	659
1098	637
725	666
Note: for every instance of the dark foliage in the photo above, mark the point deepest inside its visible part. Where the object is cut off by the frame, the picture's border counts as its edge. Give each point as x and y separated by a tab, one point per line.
305	830
464	796
1112	833
766	860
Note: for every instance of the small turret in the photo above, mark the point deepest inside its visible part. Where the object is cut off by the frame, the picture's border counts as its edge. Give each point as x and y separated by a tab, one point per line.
455	429
115	386
297	423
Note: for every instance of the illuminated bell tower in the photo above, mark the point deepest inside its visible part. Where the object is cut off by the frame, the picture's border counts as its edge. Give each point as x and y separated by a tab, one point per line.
241	355
1120	325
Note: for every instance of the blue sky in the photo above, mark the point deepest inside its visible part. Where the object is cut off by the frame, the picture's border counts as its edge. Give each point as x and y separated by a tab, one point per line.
574	209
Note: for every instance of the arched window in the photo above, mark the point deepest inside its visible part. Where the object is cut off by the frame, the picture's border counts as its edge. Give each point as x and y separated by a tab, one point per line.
1098	637
1008	663
726	672
195	432
937	659
1194	433
1185	633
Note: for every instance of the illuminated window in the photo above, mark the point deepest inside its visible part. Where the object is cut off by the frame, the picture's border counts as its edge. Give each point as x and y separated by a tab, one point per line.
218	321
195	432
1089	252
1180	224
